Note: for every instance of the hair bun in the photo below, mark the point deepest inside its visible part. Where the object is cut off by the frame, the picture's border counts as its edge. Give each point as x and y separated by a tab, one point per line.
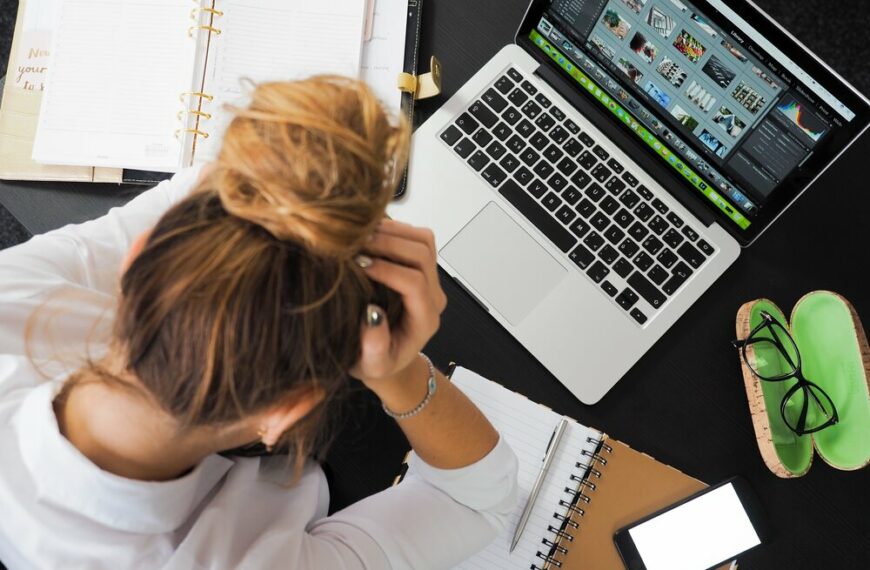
314	161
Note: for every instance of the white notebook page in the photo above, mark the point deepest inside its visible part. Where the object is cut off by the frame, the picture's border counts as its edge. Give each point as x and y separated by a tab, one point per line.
383	57
527	427
118	67
276	40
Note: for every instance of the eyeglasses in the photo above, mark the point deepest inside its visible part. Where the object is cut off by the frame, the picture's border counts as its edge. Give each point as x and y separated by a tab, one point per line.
776	358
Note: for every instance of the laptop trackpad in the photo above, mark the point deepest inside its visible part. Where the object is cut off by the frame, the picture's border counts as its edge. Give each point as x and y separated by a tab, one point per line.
503	263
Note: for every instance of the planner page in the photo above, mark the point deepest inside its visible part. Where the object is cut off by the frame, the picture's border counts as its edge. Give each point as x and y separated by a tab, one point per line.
527	427
383	57
275	40
112	96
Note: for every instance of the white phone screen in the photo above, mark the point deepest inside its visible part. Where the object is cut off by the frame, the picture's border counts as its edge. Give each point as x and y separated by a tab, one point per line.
696	535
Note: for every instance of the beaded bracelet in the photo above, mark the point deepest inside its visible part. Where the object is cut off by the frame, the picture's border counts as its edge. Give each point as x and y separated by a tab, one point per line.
432	384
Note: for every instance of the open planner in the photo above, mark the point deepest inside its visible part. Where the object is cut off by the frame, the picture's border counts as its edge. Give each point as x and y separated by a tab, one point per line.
595	486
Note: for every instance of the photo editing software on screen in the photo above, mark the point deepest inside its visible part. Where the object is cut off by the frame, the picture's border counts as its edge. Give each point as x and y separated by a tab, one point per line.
733	121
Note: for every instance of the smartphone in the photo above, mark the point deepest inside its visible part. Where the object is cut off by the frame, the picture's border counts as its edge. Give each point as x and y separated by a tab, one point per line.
701	532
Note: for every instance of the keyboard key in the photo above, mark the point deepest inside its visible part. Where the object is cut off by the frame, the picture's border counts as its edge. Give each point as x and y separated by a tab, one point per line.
585	208
599	221
608	255
511	116
557	114
559	135
539	140
623	218
609	288
679	275
667	258
494	175
587	160
504	84
594	241
645	192
598	271
518	97
509	162
673	238
543	101
691	234
464	148
538	216
571	126
514	74
637	315
682	270
609	205
586	139
675	220
496	150
629	179
658	274
558	182
644	212
529	157
629	199
553	153
544	169
537	188
566	166
601	173
494	100
478	160
647	290
629	248
571	195
451	135
531	110
551	201
502	131
600	152
623	267
545	122
642	261
691	254
659	206
638	231
565	214
482	113
466	123
523	176
581	256
573	147
525	128
529	88
653	245
482	137
627	299
705	247
615	166
581	179
516	144
658	225
579	227
615	186
595	192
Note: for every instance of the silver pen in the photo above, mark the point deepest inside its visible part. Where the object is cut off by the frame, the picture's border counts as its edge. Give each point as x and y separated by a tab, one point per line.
536	488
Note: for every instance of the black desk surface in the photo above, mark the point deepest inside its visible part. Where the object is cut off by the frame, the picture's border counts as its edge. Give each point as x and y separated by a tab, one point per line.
684	402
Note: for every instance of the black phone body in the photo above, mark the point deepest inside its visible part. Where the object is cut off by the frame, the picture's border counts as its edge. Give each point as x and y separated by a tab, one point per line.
700	532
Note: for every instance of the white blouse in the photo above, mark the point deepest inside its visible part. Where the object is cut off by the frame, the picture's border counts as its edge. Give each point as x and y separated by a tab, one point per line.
57	509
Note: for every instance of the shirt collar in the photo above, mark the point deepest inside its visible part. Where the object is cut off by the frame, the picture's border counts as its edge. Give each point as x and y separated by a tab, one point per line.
64	477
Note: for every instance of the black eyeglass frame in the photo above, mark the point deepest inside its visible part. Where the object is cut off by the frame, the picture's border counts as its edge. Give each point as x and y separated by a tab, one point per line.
809	388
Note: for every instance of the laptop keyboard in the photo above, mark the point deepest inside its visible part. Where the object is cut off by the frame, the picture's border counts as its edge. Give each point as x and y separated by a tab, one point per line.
588	204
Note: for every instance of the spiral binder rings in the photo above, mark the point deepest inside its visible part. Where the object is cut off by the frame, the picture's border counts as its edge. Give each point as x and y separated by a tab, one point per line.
595	486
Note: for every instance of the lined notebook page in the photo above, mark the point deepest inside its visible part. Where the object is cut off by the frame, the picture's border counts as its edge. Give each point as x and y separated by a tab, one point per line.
276	40
118	67
527	427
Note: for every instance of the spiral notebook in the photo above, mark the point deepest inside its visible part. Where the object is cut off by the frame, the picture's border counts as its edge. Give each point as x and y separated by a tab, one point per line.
595	486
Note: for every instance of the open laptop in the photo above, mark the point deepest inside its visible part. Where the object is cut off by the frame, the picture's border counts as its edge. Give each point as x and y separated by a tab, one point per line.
600	173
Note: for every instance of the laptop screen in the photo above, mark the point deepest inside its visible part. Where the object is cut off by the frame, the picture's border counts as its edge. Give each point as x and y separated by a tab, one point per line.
735	117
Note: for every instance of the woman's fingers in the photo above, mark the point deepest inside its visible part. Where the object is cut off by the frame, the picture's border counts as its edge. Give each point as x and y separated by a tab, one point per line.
376	351
422	307
398	229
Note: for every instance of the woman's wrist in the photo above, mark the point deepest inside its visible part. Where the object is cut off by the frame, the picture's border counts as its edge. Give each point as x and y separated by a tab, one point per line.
403	391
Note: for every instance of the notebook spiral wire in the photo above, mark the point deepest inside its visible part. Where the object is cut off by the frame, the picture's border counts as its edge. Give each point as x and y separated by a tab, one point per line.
562	531
193	101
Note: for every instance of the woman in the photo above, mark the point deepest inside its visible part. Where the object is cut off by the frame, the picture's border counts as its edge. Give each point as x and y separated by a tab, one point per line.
254	288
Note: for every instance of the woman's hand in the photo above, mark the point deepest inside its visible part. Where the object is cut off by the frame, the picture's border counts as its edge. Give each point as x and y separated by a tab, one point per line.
404	259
